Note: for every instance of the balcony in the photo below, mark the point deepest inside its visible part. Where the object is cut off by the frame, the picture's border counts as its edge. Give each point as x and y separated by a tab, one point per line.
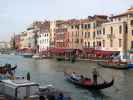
110	36
99	37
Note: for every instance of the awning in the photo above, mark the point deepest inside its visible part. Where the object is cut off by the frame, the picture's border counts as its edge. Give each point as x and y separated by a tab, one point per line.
69	50
104	53
57	50
26	50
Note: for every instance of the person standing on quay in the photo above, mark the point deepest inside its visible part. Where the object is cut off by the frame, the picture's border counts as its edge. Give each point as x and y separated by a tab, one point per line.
28	76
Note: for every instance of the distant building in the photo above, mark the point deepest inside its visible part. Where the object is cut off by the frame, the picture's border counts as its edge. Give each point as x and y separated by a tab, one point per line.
24	40
61	34
4	45
43	40
52	33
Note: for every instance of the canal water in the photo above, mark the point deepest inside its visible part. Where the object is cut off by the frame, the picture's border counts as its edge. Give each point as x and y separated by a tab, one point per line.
50	71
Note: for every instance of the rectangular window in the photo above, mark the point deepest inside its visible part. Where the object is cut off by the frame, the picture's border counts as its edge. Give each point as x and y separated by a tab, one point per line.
72	27
85	26
97	32
120	29
94	25
82	34
120	42
85	44
88	44
82	26
88	34
126	28
88	26
103	30
93	44
85	34
93	34
131	22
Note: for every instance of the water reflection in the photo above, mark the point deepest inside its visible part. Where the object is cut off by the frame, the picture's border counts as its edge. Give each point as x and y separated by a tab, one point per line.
52	72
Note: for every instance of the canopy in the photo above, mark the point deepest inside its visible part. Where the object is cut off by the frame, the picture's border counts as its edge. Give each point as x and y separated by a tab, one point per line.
104	53
57	50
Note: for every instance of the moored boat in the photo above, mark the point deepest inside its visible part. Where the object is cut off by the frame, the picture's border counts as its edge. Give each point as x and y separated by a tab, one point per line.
27	55
36	56
113	65
90	85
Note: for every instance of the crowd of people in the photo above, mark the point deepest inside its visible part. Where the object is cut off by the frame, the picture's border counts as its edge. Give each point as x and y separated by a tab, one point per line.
52	97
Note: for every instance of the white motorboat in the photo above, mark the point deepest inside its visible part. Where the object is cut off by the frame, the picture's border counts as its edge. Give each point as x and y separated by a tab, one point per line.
27	55
36	56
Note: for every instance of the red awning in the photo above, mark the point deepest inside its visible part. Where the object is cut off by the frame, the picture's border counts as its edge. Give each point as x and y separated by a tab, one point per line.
57	50
104	53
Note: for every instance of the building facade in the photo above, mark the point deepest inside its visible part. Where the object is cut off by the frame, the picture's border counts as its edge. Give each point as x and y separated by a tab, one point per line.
82	33
113	33
61	34
4	45
43	40
117	33
23	40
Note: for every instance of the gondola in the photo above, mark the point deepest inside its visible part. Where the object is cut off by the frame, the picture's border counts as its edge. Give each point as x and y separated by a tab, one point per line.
92	86
113	65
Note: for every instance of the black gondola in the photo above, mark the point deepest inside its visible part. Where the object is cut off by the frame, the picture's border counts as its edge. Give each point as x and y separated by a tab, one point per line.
98	86
113	65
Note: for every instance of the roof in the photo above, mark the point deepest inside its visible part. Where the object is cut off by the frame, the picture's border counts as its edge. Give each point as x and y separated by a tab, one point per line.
19	83
128	12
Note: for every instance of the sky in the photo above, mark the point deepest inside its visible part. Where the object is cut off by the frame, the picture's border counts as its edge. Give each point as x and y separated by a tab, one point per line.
17	15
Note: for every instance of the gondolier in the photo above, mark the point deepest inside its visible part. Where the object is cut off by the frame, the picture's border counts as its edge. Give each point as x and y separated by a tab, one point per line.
95	74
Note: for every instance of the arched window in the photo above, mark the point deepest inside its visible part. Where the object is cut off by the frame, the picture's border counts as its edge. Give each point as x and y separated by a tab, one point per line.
120	29
103	30
111	30
93	44
103	43
88	44
85	44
